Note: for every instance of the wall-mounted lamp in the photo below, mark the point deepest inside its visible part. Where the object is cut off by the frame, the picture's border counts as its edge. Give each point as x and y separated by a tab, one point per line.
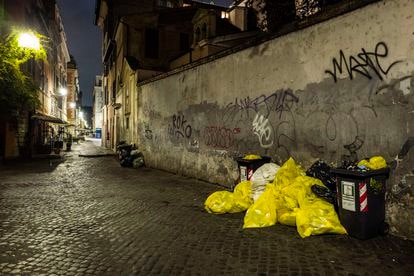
63	91
72	105
28	40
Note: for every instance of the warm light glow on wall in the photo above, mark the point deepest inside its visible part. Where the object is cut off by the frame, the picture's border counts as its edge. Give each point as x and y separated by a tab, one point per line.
72	104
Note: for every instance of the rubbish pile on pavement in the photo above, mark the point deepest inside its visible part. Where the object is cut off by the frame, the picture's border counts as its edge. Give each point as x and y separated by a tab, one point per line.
129	155
287	195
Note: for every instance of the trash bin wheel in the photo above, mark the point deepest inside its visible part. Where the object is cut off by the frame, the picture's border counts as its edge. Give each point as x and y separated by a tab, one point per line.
384	228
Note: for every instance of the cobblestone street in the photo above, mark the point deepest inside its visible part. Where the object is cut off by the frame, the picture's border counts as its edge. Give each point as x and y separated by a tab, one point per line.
88	216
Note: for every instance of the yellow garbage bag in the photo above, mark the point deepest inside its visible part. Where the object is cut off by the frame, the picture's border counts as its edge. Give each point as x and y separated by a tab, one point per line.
219	202
291	196
318	217
226	202
374	163
242	196
287	216
287	173
263	212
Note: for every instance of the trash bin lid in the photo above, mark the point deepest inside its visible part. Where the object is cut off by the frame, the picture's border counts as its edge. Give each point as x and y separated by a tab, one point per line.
361	174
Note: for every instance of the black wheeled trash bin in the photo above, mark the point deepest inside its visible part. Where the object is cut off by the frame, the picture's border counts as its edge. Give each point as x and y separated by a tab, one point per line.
361	201
248	166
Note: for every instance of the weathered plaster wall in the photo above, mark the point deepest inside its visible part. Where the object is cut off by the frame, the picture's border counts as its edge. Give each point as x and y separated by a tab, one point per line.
341	88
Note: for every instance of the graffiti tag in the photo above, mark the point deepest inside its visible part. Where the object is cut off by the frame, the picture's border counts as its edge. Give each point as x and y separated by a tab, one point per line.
180	128
148	132
220	137
362	63
263	129
278	102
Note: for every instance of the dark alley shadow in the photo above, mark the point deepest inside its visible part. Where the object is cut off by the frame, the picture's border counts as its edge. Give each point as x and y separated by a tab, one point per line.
39	164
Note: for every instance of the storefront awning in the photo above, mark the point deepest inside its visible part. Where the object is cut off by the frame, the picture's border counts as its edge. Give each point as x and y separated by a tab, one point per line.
49	119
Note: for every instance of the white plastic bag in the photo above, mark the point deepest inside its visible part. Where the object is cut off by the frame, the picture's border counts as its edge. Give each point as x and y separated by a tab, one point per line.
263	175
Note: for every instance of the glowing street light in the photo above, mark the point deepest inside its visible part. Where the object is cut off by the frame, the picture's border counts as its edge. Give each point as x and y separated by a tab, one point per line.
72	104
29	40
63	91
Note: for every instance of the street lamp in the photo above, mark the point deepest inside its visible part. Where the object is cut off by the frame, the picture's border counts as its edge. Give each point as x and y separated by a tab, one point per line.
28	40
63	91
19	91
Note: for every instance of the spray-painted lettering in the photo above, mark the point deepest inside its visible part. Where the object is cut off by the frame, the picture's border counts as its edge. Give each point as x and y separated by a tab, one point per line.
220	137
362	64
263	129
278	102
180	128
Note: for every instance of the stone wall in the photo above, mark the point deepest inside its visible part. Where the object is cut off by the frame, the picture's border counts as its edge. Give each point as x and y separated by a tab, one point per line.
338	89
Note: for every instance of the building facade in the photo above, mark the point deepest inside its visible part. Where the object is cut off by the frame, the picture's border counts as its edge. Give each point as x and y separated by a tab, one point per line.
35	130
98	104
73	97
138	43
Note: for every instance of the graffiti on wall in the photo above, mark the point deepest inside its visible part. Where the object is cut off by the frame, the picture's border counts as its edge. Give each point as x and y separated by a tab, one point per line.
264	131
278	102
341	133
148	132
220	136
364	63
179	127
270	116
148	110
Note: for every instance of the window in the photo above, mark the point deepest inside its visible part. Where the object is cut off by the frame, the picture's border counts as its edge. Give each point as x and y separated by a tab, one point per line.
184	42
165	3
126	122
113	89
151	43
60	102
106	95
197	34
204	31
225	14
127	109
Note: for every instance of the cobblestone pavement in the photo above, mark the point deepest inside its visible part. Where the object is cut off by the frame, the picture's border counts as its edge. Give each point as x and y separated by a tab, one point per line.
89	216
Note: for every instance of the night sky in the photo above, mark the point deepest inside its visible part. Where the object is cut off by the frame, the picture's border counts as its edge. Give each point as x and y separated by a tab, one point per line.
84	40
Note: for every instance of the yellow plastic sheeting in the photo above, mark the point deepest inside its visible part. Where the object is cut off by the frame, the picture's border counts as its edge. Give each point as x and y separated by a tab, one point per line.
226	202
263	212
374	163
318	217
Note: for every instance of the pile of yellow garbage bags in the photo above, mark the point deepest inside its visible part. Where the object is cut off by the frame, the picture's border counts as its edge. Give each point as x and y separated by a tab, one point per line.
287	200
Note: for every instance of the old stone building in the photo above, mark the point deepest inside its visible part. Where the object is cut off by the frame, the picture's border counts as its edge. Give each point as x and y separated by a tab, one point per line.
33	130
73	97
331	81
97	104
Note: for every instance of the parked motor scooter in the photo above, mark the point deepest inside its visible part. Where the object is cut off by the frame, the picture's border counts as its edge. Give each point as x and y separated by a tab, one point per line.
124	153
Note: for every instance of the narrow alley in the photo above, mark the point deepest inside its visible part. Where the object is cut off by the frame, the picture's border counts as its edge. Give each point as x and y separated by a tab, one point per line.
89	216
